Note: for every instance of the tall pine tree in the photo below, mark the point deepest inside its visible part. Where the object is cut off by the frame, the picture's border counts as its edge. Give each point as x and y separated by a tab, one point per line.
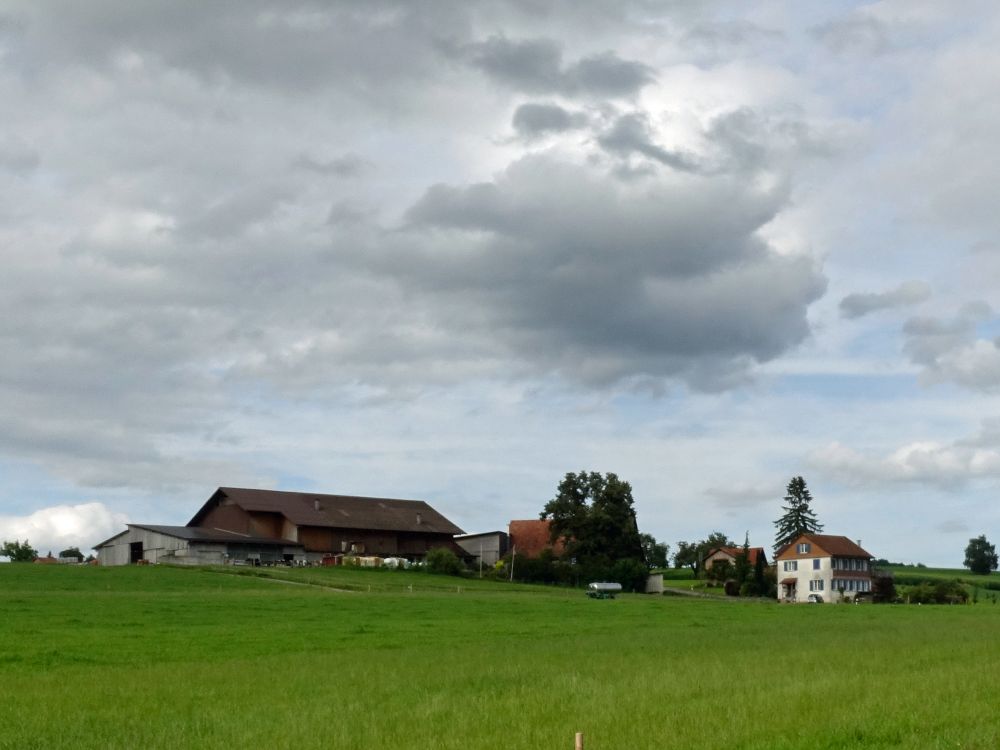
798	517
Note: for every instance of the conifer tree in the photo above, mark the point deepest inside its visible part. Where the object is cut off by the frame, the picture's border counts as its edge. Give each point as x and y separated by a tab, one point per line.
798	517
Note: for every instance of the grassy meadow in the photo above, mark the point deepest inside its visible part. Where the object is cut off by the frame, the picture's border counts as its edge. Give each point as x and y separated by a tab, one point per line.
158	657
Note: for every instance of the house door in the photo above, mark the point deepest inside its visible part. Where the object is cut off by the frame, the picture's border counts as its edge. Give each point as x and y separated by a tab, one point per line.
135	552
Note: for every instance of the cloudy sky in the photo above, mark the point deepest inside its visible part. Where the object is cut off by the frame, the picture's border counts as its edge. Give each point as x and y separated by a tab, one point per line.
451	251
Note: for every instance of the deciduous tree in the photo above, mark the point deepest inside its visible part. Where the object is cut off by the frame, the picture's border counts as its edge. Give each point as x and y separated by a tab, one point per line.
18	551
594	516
655	552
980	555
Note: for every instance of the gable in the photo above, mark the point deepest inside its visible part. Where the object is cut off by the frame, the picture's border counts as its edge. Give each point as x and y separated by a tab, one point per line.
822	545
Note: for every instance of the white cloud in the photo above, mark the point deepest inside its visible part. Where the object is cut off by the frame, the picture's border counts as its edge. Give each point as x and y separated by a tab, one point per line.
950	351
61	526
949	465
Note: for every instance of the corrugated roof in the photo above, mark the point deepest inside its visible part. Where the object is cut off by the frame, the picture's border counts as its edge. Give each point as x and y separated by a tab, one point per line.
199	534
338	511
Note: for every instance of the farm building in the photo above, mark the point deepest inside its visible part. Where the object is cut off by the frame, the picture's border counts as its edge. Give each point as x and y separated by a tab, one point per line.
531	537
486	548
184	545
729	555
291	526
823	566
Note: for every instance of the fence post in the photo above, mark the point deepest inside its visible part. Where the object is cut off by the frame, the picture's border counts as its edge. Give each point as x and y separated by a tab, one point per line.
579	741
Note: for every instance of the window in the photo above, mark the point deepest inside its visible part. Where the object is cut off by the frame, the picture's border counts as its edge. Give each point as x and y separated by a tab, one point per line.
791	566
804	548
816	585
815	563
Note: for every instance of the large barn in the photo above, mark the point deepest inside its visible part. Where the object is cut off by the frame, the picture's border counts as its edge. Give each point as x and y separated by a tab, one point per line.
290	526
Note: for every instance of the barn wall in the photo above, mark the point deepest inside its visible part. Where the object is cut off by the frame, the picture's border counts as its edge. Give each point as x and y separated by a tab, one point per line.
266	524
491	547
320	539
316	539
114	552
229	517
155	548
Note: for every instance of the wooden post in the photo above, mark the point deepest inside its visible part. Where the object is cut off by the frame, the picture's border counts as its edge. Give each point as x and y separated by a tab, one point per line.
579	741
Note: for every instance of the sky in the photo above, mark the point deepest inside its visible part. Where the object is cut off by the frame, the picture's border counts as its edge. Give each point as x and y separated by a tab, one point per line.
452	251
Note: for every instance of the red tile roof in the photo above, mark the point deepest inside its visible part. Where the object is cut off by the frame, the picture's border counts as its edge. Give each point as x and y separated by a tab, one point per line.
531	537
752	553
830	544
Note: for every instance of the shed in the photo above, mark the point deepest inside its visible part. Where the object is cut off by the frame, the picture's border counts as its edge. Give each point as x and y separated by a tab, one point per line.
185	545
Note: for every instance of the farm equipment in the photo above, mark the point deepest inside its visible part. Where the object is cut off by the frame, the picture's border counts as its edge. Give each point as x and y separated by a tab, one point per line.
603	590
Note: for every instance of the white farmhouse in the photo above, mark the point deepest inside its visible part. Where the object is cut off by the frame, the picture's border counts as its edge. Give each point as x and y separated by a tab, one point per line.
822	565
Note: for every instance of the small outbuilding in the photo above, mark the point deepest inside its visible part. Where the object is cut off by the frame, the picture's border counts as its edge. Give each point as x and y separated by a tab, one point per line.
187	545
486	548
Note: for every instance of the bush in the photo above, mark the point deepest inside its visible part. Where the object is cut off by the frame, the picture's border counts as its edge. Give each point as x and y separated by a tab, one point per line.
631	574
442	560
942	592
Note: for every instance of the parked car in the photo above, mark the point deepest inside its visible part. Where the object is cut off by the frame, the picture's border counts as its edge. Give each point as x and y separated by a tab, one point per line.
815	598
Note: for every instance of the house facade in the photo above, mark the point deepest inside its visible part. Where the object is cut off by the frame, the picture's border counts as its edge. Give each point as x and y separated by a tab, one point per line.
827	566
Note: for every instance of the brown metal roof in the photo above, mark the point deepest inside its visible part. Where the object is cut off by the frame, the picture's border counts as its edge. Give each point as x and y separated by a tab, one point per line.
336	511
789	581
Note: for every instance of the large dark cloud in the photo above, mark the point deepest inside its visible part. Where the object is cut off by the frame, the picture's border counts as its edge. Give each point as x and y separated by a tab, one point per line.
213	202
603	280
536	66
536	119
631	134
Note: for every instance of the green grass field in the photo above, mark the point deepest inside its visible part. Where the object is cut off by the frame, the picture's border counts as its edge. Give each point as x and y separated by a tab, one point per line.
156	657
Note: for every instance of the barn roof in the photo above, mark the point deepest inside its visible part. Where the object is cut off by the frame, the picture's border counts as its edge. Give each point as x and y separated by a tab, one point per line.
199	534
335	511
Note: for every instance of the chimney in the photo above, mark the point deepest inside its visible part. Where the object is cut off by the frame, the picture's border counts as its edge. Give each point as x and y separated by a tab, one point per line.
316	505
420	519
859	542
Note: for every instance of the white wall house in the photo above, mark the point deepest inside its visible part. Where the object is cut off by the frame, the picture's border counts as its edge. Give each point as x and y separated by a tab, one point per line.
828	566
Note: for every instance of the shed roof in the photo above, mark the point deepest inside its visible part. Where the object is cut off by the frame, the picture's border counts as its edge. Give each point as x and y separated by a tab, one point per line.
335	511
200	534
